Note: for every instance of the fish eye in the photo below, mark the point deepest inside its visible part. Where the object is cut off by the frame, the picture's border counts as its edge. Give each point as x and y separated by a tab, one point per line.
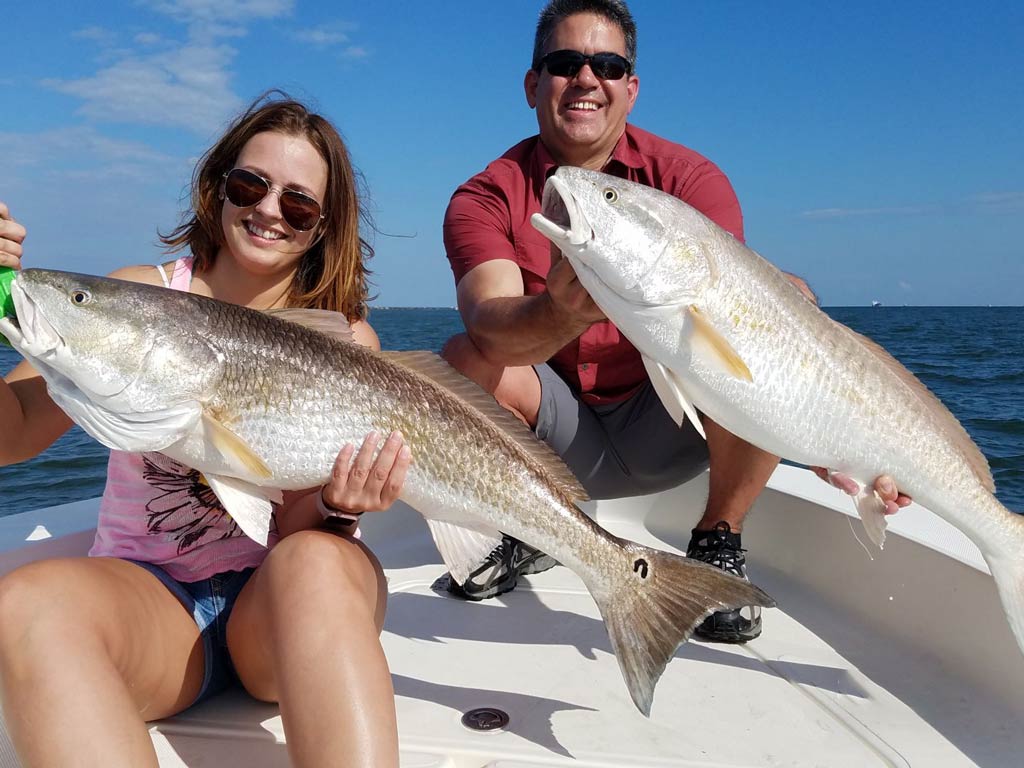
610	195
80	297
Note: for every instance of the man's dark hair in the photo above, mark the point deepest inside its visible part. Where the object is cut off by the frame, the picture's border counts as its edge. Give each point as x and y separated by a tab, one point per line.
555	11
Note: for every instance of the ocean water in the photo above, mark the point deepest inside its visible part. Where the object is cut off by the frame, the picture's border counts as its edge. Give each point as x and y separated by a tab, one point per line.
971	357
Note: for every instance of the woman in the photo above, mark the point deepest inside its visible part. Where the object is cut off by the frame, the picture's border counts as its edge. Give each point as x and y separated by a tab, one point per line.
92	648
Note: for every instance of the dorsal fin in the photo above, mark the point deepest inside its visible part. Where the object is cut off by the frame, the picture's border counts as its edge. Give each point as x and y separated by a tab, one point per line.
333	324
433	367
971	453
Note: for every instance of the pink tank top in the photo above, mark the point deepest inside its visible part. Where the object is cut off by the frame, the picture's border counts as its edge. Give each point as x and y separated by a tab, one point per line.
159	511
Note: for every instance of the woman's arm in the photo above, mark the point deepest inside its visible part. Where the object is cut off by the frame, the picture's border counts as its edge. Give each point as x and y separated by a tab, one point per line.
29	420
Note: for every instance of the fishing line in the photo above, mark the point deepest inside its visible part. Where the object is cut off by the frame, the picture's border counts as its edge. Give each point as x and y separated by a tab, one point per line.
853	530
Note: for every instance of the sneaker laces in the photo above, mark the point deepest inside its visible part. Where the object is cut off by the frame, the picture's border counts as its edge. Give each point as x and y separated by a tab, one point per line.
496	564
715	548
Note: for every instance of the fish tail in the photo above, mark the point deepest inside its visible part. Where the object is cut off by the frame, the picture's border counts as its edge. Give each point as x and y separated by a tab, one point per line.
656	601
1006	562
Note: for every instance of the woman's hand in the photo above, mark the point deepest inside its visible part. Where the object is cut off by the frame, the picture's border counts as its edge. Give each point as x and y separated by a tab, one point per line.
12	235
366	484
884	486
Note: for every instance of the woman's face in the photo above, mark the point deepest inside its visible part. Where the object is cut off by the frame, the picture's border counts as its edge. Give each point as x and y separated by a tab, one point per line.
258	235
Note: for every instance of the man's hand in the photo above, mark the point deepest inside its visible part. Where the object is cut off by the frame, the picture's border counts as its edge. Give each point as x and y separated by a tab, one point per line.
885	486
12	235
569	299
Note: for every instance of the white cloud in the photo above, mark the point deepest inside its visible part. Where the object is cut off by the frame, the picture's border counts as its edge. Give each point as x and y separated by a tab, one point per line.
182	83
75	157
1000	202
186	83
96	34
840	213
214	11
328	35
187	86
81	154
319	37
989	202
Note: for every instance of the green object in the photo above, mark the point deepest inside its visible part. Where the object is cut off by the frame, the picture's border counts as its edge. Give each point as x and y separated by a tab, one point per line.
6	304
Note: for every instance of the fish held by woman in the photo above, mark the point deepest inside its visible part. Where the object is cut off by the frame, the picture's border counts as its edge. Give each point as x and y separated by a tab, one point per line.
259	401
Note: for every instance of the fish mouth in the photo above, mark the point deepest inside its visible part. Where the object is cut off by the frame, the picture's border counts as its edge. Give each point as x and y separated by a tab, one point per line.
41	343
561	219
34	337
28	330
563	222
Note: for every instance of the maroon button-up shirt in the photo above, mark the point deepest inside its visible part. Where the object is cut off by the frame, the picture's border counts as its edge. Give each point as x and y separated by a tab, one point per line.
489	218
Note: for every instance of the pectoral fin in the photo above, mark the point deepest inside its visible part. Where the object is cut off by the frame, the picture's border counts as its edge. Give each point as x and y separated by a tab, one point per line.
234	449
713	349
670	391
463	548
248	504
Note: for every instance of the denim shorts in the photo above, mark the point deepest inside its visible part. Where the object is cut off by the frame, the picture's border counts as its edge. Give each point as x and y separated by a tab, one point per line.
210	602
618	449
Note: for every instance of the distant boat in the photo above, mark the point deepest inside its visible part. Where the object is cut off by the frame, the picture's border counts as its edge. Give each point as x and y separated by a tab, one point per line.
876	303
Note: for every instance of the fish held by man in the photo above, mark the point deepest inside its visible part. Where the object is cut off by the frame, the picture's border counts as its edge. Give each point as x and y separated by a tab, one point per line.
260	402
723	332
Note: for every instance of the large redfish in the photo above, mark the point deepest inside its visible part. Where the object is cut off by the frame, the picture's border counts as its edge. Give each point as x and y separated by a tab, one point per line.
259	402
724	332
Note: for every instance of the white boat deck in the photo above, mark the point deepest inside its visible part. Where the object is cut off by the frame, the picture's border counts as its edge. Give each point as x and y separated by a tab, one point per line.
903	661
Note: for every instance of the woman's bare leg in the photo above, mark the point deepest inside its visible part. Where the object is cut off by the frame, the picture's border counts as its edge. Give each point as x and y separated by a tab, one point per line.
305	633
90	649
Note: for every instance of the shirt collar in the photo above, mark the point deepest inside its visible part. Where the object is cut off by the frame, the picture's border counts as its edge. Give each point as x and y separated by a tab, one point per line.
544	162
624	153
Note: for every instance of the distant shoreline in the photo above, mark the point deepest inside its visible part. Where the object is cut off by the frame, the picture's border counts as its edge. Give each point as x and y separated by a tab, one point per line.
823	306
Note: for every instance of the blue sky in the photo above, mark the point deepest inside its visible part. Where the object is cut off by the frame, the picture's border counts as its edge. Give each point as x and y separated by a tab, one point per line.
876	148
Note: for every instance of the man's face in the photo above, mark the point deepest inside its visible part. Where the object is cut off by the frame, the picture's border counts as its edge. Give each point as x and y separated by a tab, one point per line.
581	116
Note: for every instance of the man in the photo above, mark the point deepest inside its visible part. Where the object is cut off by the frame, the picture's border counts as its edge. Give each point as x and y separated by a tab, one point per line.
535	338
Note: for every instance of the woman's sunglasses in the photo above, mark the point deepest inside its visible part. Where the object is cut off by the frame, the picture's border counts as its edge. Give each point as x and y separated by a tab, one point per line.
606	66
244	189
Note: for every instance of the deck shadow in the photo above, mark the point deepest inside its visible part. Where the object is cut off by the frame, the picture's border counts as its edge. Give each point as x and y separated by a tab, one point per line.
522	618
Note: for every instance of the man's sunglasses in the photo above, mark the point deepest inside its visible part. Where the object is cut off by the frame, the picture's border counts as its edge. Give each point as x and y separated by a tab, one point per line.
606	66
244	189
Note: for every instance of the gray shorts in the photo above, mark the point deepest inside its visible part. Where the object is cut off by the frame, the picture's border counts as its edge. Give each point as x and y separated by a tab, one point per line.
622	449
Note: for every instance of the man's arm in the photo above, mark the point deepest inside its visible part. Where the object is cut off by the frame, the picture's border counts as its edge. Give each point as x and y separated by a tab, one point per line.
508	327
512	329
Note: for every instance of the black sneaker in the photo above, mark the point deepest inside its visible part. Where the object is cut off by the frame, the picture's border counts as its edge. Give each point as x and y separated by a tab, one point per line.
721	548
500	571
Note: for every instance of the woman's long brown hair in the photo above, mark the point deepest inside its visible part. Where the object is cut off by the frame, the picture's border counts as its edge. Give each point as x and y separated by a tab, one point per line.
332	274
